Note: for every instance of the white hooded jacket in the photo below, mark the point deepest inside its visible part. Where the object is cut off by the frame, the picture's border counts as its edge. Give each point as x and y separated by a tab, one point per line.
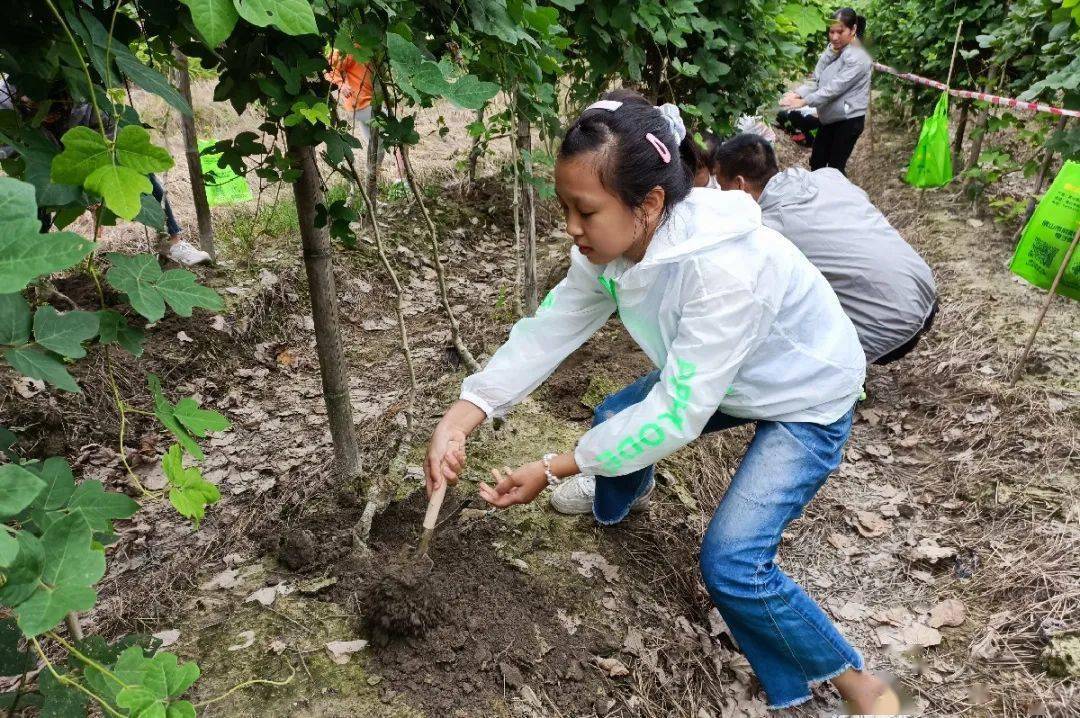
734	315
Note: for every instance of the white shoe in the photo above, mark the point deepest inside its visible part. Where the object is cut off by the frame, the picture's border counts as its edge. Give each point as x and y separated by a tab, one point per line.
575	496
184	252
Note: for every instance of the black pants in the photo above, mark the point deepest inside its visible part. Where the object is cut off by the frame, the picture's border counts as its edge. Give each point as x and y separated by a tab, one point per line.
904	349
834	143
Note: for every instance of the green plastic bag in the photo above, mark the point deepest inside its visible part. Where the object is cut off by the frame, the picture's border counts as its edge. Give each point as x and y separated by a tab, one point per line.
931	164
223	186
1049	233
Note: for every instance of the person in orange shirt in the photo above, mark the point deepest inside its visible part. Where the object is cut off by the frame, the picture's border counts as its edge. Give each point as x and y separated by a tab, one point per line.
355	83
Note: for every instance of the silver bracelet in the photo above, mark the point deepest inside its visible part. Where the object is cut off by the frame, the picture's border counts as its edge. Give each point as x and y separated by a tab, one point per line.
552	480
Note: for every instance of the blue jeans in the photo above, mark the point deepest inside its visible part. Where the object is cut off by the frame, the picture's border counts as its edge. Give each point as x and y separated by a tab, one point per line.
788	639
171	225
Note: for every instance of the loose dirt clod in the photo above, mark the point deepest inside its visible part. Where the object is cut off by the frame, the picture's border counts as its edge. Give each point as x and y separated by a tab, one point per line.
402	604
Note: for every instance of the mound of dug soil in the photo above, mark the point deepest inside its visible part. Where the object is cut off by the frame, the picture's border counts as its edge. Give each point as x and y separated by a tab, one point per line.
492	630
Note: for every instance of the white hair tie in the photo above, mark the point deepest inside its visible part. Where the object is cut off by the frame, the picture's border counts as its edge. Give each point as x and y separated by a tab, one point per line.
674	119
609	105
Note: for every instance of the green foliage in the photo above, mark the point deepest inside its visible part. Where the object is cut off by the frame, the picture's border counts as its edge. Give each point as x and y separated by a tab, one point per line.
25	253
185	420
149	289
189	492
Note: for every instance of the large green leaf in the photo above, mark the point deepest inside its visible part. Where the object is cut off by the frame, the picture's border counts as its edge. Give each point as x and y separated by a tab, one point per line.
151	213
189	492
84	151
64	333
120	187
59	483
114	329
72	565
98	507
18	489
134	150
162	674
137	277
199	422
36	364
214	19
25	253
61	700
292	17
13	661
9	547
179	288
14	319
148	288
149	79
471	93
48	606
23	577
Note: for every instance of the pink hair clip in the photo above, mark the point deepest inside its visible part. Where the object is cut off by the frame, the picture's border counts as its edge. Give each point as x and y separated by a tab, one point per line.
661	148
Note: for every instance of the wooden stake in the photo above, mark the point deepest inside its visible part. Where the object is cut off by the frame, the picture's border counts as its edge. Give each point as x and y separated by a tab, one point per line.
952	62
1045	306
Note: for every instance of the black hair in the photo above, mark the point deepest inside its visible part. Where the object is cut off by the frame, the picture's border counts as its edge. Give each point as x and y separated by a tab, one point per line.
629	165
700	155
851	19
749	155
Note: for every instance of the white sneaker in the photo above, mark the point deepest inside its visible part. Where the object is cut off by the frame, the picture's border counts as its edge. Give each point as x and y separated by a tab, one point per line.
575	496
184	252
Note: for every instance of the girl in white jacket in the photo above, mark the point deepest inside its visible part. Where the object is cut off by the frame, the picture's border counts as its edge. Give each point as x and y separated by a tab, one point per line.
742	329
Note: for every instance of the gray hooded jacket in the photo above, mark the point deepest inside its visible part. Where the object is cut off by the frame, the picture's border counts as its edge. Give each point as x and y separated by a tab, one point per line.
841	86
884	286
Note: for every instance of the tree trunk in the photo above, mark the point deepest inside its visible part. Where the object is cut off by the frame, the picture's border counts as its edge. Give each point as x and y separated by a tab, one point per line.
961	128
980	129
475	151
373	168
191	153
324	310
1040	179
531	300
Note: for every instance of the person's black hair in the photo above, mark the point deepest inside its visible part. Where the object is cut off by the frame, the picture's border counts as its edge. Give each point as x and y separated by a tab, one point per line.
749	155
851	19
697	155
629	165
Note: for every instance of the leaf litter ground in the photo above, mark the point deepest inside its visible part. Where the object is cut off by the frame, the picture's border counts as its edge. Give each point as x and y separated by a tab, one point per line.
945	546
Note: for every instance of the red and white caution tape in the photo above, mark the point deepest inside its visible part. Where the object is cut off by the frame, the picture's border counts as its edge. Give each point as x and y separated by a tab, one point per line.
992	99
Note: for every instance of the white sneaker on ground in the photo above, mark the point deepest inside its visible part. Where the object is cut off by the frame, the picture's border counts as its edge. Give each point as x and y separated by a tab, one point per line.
184	252
575	496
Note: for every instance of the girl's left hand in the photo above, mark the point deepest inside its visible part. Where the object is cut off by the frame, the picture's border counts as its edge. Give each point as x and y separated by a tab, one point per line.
519	486
795	102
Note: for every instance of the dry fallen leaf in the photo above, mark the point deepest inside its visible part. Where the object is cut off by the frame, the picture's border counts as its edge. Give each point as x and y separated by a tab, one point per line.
882	451
267	596
218	324
247	638
167	638
570	623
928	550
852	611
590	561
341	651
871	525
950	612
277	647
921	635
225	579
183	337
612	666
27	387
843	544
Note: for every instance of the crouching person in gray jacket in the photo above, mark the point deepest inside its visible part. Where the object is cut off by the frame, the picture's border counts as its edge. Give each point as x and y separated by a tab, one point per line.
884	286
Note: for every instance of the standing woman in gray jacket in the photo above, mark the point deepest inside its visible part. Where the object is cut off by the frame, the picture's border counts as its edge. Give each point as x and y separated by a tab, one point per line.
840	91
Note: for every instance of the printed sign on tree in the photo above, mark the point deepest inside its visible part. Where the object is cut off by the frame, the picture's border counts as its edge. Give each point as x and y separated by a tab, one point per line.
1049	233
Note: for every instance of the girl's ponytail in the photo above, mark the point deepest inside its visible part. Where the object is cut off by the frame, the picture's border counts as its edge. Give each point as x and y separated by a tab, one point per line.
860	26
